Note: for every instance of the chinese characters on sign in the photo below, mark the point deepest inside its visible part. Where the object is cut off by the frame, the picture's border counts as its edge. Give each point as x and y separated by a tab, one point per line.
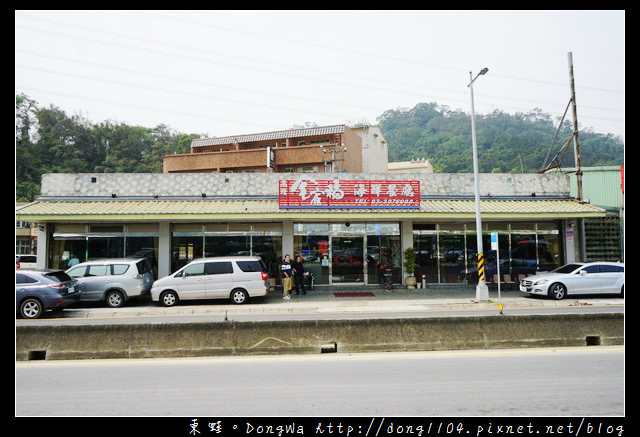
307	192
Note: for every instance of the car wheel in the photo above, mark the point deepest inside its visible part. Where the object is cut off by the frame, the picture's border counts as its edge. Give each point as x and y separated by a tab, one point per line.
115	299
557	291
239	296
169	298
31	309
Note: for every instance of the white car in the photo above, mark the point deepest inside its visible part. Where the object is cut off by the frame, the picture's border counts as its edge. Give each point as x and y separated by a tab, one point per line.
577	278
234	277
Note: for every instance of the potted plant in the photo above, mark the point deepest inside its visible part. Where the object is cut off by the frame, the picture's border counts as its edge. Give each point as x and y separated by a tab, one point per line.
410	266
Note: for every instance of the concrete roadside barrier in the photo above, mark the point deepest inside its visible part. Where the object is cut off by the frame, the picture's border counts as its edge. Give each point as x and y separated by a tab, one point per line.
221	338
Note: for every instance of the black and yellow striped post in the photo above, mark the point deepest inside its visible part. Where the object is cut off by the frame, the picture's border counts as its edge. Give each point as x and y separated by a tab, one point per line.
482	291
481	277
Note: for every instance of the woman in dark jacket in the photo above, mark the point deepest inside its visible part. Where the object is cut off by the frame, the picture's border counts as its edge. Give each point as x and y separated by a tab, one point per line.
298	275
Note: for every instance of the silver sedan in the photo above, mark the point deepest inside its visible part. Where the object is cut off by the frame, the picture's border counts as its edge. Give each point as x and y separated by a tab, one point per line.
577	278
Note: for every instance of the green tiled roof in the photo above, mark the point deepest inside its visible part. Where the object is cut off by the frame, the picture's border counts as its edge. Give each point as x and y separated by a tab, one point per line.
178	210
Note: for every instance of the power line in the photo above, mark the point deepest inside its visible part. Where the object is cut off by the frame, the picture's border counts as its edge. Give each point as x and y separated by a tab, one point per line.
280	70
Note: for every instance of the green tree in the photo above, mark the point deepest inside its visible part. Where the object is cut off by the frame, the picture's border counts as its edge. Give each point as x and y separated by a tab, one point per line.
125	148
67	142
165	142
28	162
506	143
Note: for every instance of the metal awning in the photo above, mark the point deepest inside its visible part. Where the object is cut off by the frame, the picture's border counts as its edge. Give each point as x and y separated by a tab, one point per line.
238	210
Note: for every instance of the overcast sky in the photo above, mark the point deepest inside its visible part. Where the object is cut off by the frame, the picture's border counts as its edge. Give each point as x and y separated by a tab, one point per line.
220	73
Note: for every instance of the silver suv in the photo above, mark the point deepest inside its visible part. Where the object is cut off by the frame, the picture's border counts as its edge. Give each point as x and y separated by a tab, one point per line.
113	281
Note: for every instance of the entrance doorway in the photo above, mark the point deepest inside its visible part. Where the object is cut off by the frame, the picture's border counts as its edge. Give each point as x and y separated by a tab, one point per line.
348	253
347	260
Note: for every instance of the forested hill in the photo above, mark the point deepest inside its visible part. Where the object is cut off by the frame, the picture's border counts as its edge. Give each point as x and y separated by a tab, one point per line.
506	143
50	141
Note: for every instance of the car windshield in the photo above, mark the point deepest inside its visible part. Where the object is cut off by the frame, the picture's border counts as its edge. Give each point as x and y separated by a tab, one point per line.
567	268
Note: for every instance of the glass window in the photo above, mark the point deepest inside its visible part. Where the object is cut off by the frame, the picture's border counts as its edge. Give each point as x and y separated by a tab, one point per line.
119	269
347	228
219	268
185	249
592	269
196	269
426	246
23	246
77	272
67	250
605	268
98	270
269	248
251	266
314	250
24	279
383	250
382	228
227	245
144	247
523	250
217	239
451	257
310	228
105	247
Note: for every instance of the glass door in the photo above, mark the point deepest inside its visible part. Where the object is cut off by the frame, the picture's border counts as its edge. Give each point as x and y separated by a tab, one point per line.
314	250
347	260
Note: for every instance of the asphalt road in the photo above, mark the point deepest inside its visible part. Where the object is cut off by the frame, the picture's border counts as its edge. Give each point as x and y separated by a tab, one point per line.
580	381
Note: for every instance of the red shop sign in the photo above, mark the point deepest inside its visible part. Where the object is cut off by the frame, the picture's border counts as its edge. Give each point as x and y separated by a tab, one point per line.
307	192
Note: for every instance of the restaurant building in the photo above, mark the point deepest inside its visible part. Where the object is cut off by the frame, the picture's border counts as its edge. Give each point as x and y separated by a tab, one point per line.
345	225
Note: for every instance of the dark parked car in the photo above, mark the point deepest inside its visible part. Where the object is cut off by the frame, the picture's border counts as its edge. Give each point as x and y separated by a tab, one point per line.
38	291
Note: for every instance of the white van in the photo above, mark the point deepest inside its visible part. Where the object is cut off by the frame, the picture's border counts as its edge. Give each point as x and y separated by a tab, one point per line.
233	277
26	261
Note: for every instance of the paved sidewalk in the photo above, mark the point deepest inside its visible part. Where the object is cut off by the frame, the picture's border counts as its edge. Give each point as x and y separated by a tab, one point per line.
324	299
350	292
436	295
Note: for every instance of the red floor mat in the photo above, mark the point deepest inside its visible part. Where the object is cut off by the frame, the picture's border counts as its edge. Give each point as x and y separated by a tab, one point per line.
354	295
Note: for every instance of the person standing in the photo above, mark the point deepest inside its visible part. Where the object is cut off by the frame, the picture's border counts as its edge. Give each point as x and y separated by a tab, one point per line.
298	275
287	273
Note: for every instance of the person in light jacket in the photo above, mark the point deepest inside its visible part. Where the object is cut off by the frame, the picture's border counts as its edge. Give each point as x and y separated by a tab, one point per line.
287	273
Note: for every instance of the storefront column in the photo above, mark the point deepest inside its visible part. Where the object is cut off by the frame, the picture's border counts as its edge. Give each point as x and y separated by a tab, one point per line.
571	240
42	246
164	249
406	241
287	238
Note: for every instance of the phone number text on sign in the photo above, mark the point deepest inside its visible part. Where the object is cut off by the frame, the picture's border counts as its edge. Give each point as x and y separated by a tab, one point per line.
334	193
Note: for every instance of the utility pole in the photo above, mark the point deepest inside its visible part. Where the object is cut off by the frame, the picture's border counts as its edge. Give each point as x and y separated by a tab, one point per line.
482	291
576	143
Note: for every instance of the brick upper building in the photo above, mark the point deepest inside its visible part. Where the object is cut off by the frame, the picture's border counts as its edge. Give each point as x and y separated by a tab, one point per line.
338	148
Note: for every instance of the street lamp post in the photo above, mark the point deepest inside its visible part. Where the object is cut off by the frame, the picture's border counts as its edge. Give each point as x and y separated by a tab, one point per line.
482	291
